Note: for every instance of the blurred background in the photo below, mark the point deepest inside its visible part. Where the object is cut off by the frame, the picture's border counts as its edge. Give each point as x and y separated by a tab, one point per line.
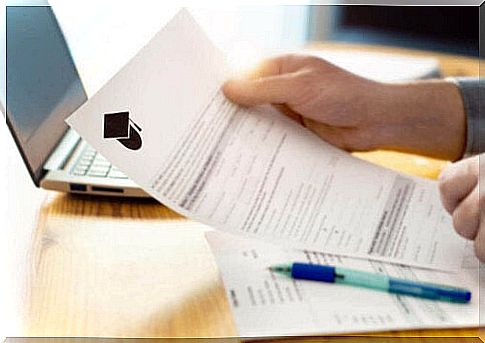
103	35
453	29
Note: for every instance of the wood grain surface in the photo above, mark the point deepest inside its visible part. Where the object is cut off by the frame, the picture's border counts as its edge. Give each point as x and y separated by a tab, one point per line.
112	267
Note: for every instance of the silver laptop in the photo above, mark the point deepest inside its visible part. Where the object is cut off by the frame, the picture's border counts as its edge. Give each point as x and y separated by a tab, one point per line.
43	88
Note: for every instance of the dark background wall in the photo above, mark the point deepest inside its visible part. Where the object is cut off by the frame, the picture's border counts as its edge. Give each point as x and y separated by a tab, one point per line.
440	28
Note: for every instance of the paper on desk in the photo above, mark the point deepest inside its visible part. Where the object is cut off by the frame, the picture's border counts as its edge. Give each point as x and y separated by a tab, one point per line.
268	304
253	171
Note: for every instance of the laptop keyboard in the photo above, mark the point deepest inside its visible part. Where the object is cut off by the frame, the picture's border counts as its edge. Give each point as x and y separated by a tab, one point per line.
91	163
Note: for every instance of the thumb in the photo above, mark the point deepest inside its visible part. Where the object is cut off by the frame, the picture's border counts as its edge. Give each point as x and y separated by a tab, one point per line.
346	138
277	89
328	133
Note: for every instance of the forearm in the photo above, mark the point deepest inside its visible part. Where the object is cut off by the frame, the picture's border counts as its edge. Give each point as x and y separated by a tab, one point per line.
425	117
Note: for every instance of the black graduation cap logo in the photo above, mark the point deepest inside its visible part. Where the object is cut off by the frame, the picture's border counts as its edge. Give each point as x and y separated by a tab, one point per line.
119	126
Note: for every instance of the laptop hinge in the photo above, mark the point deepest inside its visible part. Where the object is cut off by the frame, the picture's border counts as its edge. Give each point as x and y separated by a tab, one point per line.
59	157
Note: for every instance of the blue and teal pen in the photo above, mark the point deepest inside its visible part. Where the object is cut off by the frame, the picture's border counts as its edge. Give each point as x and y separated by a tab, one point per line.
374	281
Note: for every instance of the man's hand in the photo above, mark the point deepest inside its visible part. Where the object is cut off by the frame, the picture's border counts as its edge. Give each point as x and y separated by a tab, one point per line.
463	199
357	114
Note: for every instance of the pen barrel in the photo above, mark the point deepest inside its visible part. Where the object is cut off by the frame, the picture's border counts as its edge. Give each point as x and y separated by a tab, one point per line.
361	279
429	291
404	287
379	282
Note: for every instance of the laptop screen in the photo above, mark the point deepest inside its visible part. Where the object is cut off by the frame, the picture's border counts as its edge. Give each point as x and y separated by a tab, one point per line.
43	85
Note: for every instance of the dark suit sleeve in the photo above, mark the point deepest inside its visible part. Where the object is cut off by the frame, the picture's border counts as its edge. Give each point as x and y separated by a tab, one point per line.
473	93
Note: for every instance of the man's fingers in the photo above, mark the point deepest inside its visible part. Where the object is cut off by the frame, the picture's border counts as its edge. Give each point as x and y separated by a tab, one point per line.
278	89
457	181
284	109
268	67
273	81
279	65
480	242
466	217
346	138
327	133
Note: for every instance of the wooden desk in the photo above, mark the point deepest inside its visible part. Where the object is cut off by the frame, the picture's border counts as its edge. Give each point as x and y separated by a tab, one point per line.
133	268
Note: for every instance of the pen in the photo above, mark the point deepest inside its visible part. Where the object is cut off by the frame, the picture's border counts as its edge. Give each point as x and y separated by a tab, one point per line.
380	282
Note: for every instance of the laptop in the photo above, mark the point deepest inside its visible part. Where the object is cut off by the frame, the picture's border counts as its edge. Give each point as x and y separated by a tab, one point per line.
44	88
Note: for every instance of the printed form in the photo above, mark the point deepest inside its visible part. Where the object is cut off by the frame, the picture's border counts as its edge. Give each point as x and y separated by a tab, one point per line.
269	304
254	171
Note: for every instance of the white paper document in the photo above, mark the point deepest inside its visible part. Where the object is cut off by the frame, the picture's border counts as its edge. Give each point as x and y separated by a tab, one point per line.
269	304
165	123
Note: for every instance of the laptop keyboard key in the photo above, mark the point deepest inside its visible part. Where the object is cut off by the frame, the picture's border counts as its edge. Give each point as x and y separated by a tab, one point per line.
93	164
97	173
79	172
117	175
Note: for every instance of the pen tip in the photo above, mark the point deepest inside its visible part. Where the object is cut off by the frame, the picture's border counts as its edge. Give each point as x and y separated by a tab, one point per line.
283	269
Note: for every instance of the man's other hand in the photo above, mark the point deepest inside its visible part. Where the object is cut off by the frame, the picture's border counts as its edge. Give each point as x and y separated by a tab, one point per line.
465	201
